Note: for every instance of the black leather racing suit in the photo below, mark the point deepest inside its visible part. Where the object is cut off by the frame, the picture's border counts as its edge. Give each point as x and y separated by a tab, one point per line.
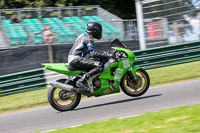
78	56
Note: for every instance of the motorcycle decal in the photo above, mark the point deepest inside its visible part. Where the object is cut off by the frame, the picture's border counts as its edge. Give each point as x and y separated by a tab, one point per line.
106	92
126	63
118	74
115	85
111	88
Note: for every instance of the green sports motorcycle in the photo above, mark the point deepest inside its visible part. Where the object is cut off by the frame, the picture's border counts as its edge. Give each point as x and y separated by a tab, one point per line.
119	72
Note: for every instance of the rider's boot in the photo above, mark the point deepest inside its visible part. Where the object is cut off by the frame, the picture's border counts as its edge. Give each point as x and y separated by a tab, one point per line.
81	82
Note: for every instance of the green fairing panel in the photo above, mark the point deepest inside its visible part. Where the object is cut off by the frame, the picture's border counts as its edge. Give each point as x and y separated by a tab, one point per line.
60	68
122	67
107	88
106	74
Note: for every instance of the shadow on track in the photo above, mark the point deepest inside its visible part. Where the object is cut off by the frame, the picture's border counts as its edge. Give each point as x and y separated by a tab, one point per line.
119	101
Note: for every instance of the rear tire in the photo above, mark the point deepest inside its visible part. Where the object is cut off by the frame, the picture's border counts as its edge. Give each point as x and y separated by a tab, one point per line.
137	87
54	98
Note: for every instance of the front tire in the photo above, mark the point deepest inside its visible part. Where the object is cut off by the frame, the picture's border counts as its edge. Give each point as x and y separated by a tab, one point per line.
137	87
58	102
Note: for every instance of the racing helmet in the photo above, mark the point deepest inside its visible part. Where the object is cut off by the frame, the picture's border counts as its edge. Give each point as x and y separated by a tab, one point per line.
95	29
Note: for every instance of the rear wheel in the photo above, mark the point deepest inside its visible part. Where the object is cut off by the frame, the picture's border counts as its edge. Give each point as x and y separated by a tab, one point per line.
137	87
60	100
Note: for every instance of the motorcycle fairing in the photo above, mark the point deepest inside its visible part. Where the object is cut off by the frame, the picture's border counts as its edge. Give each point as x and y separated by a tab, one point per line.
60	68
121	68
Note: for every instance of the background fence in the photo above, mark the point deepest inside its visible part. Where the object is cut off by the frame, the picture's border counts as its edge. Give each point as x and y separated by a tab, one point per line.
69	22
170	21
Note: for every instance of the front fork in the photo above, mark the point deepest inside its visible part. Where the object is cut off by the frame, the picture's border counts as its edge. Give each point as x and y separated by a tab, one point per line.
132	72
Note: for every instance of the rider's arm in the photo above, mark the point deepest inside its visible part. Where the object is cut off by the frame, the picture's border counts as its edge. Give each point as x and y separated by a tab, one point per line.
90	45
93	53
100	54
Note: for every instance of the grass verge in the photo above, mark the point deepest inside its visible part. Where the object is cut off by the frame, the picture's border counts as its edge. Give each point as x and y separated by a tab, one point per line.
157	76
177	120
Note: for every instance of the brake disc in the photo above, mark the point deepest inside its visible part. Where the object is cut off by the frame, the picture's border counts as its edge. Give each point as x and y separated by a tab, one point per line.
136	83
63	95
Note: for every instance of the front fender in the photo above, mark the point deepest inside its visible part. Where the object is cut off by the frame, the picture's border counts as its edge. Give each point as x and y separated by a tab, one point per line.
133	71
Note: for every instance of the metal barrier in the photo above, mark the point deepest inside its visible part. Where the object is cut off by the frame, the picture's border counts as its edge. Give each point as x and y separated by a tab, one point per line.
149	59
168	55
22	82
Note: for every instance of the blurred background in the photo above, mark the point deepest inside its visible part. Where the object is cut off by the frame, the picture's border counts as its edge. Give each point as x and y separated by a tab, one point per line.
160	22
159	32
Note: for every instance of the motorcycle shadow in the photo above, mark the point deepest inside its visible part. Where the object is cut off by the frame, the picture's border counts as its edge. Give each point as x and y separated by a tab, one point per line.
117	102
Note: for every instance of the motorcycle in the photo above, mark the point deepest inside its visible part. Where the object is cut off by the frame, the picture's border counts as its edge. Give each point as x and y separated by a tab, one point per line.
119	73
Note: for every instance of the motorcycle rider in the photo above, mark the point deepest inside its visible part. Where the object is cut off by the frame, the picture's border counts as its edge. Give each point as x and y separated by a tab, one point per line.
82	52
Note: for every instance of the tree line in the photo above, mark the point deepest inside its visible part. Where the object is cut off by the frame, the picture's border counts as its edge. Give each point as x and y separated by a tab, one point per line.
125	9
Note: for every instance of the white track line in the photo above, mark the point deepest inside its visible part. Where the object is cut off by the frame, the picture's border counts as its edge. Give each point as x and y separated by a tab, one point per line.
74	126
128	116
48	131
61	128
86	123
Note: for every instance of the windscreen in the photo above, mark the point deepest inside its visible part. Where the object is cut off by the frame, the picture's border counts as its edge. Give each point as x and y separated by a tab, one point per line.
117	43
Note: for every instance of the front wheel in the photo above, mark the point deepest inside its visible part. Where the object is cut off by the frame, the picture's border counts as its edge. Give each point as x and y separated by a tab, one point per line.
60	100
137	87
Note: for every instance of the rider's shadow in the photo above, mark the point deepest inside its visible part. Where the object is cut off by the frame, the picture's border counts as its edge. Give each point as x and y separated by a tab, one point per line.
119	101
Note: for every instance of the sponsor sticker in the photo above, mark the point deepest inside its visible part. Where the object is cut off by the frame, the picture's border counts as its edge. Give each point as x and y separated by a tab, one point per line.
126	63
115	85
118	74
111	88
106	92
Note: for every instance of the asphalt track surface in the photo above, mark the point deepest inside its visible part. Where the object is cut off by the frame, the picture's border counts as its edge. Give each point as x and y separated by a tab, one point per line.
97	109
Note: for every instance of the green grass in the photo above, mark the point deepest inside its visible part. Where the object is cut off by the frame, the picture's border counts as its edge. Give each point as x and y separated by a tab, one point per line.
177	120
23	100
174	73
157	76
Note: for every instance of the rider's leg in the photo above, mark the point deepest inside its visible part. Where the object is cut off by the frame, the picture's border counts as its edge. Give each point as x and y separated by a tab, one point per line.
86	76
96	67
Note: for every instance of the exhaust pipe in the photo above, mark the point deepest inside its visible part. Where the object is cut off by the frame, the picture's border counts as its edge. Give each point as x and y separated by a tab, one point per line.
62	86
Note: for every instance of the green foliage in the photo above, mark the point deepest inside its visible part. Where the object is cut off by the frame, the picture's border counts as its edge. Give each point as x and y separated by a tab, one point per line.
122	8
